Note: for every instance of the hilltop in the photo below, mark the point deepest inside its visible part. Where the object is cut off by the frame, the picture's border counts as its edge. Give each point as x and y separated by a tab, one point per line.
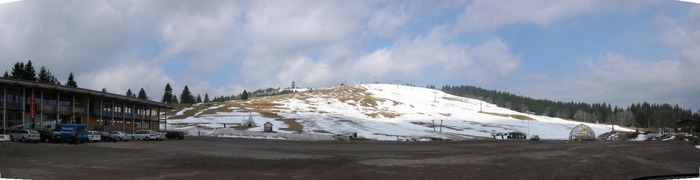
373	111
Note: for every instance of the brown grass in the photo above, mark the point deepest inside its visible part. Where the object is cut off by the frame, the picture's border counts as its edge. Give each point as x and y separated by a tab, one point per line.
293	125
515	116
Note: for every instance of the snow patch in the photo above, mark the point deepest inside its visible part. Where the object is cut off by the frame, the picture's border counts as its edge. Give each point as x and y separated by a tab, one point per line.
390	113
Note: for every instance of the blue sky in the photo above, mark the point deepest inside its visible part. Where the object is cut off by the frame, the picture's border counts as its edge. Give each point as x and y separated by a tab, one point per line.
619	52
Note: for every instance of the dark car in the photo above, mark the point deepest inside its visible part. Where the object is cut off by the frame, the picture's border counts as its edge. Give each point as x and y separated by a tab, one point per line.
175	135
50	136
105	136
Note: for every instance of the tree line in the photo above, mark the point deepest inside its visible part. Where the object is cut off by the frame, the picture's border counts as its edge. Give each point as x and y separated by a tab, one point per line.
26	71
644	115
186	97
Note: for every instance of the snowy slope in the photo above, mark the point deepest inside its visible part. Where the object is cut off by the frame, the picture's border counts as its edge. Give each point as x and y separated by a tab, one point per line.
391	112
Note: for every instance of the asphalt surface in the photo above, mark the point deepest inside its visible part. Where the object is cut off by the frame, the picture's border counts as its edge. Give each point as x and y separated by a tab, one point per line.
228	158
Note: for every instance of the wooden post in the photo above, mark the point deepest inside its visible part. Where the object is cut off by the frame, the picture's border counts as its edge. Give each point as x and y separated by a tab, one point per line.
58	107
4	110
72	113
24	104
41	112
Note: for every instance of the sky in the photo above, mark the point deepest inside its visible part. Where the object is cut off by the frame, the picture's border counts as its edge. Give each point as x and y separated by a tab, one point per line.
594	51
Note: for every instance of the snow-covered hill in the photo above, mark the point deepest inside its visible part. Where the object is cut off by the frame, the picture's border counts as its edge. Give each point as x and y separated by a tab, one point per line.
373	111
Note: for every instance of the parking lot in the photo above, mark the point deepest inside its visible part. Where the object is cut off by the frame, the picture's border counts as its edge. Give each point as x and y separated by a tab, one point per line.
228	158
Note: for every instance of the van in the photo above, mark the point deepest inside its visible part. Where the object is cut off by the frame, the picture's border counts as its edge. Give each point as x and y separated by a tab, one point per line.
94	136
67	131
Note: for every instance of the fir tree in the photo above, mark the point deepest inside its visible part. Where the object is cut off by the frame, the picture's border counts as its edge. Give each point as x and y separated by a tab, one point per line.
199	99
71	81
142	94
129	93
244	95
44	75
186	96
168	94
17	70
174	99
206	98
6	75
29	72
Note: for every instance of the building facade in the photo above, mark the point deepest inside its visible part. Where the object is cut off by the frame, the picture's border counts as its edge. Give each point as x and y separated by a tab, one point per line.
40	106
689	126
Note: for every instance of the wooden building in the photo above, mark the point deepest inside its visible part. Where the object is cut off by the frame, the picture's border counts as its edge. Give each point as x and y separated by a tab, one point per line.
689	126
40	106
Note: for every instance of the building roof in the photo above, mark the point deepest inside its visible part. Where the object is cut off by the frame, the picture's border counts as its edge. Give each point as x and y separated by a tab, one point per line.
67	89
688	121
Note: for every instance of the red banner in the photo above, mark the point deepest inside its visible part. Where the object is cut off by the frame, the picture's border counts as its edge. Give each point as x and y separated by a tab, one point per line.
32	105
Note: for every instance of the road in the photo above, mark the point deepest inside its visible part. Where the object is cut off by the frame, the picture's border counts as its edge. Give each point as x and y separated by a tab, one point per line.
228	158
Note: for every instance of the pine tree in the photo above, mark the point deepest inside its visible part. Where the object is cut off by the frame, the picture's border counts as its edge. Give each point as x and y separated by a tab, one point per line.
129	93
71	81
54	80
45	75
142	94
17	70
206	98
174	99
199	99
186	96
244	95
6	75
168	94
29	72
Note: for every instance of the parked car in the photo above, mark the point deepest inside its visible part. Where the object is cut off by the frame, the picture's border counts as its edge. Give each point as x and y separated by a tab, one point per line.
160	135
106	137
50	136
121	136
175	135
145	135
535	138
93	136
26	135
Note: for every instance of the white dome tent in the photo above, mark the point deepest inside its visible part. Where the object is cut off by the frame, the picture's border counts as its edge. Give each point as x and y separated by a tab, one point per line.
582	132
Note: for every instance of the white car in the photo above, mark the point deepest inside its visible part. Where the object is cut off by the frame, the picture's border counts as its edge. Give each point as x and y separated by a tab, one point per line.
121	136
25	135
145	135
94	136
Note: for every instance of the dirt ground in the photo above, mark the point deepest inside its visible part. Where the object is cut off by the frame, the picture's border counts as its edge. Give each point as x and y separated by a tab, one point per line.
228	158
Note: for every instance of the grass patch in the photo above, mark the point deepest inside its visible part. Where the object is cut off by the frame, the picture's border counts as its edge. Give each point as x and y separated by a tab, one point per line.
515	116
293	125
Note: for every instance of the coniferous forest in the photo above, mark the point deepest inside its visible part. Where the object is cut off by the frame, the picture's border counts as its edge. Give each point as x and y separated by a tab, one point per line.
644	115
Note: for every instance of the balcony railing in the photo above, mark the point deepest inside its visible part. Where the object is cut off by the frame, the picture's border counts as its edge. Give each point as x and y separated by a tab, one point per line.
49	109
13	105
65	110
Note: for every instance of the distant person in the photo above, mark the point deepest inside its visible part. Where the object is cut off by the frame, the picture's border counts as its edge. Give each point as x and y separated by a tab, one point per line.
73	138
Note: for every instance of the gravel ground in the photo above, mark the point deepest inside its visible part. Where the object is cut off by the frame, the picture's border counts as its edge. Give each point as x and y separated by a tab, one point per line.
229	158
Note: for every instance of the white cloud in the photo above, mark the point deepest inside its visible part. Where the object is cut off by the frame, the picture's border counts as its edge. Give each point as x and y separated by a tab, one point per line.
134	44
58	33
422	59
620	80
489	14
133	75
387	21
